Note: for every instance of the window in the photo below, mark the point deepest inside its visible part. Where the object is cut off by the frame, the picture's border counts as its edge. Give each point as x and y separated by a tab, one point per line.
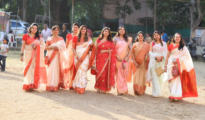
13	24
27	25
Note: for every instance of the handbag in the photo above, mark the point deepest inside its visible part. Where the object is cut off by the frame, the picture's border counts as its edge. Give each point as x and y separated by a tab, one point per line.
175	71
46	60
159	71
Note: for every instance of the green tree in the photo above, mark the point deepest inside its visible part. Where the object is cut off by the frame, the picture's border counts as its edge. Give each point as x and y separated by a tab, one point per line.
126	9
86	11
89	13
199	5
171	13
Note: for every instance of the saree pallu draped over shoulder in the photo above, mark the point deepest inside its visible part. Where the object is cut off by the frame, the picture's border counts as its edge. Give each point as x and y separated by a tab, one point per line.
105	66
139	74
185	84
34	66
57	68
70	55
81	67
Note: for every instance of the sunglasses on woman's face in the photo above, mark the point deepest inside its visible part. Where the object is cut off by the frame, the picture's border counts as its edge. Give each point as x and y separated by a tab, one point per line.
107	28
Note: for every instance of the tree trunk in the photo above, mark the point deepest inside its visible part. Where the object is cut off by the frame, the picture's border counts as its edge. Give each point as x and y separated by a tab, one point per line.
155	15
163	27
44	3
192	19
24	10
55	10
201	14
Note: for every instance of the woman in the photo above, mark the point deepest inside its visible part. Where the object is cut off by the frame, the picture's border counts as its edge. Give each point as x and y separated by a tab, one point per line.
83	61
123	45
158	51
170	42
56	60
105	62
183	84
140	58
32	53
148	38
69	38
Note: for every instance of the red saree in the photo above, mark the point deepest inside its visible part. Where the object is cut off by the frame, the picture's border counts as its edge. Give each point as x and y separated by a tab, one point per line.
105	66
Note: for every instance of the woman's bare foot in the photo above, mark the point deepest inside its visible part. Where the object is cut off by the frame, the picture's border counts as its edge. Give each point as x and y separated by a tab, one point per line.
171	100
119	94
98	91
136	93
176	100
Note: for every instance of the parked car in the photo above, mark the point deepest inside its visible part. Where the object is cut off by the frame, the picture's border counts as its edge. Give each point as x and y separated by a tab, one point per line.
21	28
97	33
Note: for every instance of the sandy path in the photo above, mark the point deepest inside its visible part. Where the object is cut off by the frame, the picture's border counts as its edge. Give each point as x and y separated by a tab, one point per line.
16	104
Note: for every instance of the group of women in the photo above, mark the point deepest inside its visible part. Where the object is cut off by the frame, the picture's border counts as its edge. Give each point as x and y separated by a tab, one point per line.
114	62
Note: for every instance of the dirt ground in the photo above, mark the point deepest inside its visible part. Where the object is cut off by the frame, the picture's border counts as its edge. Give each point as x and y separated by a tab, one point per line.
17	104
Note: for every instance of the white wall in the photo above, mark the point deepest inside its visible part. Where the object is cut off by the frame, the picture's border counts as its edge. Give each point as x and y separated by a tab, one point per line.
109	12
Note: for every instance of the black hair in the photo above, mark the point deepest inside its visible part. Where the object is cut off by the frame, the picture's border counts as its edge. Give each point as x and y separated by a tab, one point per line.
140	32
11	31
181	43
109	38
64	25
54	27
157	32
124	36
77	24
86	34
5	38
37	35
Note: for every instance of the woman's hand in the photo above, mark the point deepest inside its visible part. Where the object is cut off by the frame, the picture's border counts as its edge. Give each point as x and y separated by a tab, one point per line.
136	65
21	58
119	59
54	47
34	46
165	68
126	59
159	59
78	58
147	57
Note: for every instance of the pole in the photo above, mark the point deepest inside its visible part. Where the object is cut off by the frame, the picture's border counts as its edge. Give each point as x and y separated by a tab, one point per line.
146	17
17	20
49	14
72	13
155	3
24	10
